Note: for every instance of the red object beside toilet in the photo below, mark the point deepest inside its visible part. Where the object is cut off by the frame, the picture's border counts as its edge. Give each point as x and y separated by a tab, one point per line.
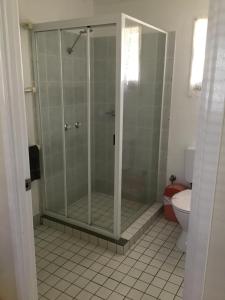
171	190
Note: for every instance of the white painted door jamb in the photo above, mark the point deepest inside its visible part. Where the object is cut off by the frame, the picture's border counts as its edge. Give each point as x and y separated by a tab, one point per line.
15	151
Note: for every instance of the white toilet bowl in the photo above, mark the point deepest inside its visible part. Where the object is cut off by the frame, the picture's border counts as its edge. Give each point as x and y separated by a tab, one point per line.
181	203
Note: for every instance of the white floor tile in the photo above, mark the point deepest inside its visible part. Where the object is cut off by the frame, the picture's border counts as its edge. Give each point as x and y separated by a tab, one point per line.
70	268
158	282
153	290
52	294
104	293
166	296
73	290
115	296
92	287
62	285
135	294
84	295
122	289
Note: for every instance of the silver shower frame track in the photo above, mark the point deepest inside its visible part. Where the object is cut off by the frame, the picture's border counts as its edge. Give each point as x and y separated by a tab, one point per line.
119	21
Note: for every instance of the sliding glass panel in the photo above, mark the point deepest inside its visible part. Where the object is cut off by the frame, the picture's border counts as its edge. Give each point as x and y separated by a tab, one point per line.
143	70
103	64
51	117
74	67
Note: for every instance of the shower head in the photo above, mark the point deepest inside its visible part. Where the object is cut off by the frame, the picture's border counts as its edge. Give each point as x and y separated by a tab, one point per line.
70	49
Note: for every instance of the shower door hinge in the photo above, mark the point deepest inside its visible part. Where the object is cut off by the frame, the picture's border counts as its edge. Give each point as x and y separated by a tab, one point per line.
28	184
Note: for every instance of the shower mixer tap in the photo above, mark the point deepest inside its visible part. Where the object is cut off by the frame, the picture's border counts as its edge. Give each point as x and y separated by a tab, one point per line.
68	126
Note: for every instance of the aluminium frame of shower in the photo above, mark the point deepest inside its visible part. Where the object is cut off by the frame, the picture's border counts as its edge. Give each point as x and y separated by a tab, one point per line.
119	22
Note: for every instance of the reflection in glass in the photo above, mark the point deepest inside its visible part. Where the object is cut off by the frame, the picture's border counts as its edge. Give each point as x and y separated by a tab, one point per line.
132	42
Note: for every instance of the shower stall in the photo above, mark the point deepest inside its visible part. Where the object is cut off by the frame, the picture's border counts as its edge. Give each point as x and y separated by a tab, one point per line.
100	85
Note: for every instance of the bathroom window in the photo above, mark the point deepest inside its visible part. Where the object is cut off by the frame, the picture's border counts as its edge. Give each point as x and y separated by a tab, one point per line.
132	37
198	55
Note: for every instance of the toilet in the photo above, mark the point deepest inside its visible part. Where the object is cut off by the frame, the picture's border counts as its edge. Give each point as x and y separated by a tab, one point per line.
181	201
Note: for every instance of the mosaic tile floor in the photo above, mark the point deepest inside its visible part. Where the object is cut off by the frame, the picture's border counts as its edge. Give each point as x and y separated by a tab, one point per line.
68	268
102	210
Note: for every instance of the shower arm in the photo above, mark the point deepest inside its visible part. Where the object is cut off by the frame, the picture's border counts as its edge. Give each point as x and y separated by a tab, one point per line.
70	49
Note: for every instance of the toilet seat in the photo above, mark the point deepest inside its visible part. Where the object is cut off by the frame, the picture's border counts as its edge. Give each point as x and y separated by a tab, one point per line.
182	201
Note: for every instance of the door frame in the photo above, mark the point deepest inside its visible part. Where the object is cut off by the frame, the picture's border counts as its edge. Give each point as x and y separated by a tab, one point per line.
15	152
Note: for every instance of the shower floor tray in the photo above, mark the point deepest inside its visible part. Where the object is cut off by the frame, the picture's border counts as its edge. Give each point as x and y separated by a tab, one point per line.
102	211
121	246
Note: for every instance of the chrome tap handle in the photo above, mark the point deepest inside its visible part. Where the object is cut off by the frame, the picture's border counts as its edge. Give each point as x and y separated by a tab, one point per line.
67	126
77	125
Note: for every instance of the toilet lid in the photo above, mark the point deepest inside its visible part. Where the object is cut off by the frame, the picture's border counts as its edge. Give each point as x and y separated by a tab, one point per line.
182	200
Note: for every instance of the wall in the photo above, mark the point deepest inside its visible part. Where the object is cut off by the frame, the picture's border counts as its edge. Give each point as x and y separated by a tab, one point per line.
35	12
7	278
176	16
47	10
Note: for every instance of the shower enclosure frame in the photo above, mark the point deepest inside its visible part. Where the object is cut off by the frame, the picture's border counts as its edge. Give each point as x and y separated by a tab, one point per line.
119	21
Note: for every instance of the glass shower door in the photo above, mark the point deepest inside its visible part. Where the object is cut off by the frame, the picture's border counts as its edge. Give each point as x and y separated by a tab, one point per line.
102	124
51	119
143	65
74	81
88	78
